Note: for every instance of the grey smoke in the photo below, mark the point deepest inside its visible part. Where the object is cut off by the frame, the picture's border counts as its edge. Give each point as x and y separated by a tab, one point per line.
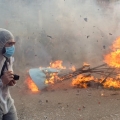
74	31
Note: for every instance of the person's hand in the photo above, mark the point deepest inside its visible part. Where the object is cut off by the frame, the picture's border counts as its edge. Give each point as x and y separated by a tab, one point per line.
7	77
12	83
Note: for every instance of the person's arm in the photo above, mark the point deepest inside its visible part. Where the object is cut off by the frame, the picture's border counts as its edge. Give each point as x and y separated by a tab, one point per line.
10	68
10	65
6	78
1	83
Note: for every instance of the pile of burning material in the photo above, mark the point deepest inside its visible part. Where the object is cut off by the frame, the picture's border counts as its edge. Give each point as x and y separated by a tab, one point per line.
109	73
106	78
41	78
85	77
37	79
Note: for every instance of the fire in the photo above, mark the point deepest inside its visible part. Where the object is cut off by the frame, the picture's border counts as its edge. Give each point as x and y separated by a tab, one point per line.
31	85
52	78
113	58
110	82
86	64
81	81
116	44
57	64
73	68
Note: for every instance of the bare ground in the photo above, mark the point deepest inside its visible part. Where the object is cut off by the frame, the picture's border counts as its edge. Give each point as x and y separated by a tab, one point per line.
62	102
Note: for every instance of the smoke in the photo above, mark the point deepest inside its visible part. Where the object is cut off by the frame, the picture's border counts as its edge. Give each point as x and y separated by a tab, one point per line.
74	31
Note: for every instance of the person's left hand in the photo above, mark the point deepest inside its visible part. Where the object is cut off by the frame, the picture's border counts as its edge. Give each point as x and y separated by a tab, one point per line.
12	83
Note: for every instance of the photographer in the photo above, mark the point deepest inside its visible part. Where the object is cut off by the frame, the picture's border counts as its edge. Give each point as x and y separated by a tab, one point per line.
7	108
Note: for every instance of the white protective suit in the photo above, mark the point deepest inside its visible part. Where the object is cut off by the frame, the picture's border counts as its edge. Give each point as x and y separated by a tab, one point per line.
5	99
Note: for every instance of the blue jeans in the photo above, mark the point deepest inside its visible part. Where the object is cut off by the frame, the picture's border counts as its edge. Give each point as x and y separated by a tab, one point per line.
11	115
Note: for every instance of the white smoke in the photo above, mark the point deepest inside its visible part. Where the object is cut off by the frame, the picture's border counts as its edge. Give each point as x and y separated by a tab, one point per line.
74	31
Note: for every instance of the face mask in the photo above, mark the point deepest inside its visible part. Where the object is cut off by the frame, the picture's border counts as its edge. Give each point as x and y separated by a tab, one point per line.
9	51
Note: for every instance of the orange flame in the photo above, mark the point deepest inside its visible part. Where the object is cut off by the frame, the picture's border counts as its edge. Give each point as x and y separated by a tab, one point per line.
81	81
113	58
57	64
116	44
73	68
31	85
52	78
86	64
110	82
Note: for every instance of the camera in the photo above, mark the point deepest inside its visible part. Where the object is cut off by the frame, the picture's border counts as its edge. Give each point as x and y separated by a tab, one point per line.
16	77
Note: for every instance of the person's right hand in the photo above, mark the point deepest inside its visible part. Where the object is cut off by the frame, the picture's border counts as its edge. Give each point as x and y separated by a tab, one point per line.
7	77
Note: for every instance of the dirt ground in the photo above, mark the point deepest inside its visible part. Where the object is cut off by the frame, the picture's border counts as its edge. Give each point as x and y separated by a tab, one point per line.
62	102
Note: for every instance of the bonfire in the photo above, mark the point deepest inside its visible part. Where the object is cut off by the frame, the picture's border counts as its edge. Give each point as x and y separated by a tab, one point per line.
109	74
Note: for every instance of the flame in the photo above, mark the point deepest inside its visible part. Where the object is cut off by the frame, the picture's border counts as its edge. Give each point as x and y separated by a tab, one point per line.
116	44
52	78
81	81
73	68
111	82
86	64
57	64
113	58
31	85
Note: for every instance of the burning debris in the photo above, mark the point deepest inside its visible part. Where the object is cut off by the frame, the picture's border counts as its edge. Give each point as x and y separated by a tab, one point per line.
50	36
108	74
104	46
86	19
88	36
110	34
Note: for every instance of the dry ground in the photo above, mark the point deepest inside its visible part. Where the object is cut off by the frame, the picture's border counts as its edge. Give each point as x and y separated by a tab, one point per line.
61	102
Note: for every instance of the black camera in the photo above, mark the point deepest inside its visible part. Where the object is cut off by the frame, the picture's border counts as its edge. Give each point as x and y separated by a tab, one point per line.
16	77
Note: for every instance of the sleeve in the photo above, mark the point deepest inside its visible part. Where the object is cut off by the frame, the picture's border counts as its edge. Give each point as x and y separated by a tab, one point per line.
10	66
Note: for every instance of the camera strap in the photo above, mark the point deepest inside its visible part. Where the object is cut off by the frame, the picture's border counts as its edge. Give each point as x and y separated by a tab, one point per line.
3	68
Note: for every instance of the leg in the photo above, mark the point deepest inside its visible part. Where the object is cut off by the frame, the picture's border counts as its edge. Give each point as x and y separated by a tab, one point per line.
11	115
